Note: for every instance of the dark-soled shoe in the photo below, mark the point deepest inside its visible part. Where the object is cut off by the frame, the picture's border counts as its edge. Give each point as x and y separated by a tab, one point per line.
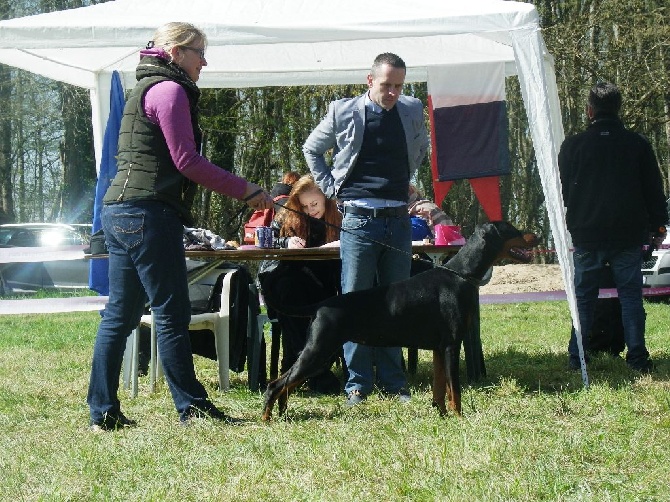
403	395
355	397
644	367
112	422
207	410
325	383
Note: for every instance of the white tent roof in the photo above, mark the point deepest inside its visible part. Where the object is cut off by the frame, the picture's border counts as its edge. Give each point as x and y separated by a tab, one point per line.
277	42
294	42
266	42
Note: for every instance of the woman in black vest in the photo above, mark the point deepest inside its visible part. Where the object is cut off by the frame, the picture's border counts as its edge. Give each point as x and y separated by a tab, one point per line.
145	209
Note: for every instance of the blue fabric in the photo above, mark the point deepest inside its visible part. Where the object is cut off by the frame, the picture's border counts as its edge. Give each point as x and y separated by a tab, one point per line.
146	254
381	170
420	228
97	279
626	266
363	262
471	141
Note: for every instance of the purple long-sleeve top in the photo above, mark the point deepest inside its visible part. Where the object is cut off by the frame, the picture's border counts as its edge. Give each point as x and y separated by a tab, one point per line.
166	105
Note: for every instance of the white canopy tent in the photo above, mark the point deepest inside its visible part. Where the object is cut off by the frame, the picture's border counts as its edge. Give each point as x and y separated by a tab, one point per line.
306	42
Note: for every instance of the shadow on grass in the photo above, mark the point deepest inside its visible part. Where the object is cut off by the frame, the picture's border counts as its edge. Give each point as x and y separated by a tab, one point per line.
546	372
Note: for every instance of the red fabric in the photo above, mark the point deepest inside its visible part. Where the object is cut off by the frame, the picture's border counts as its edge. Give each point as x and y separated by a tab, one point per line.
259	218
486	189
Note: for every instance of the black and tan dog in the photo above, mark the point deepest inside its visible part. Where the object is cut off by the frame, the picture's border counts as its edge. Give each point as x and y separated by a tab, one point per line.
433	310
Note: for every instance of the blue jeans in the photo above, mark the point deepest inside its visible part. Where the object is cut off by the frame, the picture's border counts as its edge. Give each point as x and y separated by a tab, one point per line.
146	259
626	266
363	261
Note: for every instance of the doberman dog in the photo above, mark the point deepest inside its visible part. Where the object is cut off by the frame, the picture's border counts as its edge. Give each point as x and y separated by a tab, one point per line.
433	310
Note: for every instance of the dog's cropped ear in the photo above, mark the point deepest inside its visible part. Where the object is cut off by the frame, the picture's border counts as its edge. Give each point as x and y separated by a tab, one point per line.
488	234
486	228
505	229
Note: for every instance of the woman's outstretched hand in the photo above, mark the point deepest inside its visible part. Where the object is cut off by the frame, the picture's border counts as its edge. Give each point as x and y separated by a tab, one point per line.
257	198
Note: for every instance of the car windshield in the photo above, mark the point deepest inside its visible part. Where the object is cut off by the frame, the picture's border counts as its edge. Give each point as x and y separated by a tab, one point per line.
41	237
53	238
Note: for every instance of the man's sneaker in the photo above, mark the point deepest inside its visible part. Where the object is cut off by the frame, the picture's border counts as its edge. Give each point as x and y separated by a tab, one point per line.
112	422
355	397
207	410
404	396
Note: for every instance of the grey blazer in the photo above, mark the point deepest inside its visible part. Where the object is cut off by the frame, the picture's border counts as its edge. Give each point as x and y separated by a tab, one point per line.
342	130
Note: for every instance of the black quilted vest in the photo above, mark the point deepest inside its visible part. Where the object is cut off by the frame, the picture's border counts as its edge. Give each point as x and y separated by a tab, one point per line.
145	168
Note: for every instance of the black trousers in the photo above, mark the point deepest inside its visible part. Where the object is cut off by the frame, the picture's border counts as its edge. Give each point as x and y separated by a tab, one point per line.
298	283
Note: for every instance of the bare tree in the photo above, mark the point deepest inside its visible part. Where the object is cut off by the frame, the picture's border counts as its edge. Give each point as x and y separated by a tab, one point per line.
6	202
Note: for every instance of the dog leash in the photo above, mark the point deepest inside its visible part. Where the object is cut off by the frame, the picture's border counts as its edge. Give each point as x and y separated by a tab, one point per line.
370	239
414	256
243	208
475	282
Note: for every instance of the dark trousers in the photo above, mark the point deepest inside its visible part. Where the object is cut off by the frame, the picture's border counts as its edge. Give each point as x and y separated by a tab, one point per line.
298	283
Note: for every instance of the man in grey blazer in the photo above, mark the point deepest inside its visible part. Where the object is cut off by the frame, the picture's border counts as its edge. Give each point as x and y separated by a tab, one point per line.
378	140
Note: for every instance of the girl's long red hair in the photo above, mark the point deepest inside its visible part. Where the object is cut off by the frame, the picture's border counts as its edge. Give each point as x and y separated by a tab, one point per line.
295	221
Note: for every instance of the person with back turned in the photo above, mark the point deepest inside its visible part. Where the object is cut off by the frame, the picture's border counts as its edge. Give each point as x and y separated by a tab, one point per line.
613	194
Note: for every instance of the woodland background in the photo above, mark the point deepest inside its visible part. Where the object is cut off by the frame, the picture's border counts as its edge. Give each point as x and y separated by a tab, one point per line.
47	167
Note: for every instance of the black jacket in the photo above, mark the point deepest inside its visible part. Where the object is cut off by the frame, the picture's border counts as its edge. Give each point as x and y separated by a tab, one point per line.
612	186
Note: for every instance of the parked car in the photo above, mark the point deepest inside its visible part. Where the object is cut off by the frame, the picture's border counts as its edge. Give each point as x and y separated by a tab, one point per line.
72	274
63	274
656	270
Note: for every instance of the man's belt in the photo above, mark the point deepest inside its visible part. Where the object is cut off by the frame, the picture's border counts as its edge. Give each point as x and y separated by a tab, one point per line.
378	212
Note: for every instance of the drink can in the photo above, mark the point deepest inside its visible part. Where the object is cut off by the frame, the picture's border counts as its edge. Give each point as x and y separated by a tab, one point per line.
264	237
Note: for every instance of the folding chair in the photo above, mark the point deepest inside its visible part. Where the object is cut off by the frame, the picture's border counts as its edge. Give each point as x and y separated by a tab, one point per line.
218	322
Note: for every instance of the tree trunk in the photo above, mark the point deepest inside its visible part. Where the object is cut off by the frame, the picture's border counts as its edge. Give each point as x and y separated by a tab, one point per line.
77	157
6	202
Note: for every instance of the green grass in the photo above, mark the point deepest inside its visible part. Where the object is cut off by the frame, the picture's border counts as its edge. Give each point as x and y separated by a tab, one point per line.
529	430
49	293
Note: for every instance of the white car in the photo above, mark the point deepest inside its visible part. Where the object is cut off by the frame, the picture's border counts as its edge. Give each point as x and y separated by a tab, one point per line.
71	274
656	270
62	274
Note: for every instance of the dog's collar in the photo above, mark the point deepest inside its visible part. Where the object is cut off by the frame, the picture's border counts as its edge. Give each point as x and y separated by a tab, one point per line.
472	280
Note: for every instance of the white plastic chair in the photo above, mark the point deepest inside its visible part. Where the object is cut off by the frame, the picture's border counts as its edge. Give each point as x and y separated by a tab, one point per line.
218	322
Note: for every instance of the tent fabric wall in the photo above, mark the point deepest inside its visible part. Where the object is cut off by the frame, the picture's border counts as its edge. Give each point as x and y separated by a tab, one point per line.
540	95
295	42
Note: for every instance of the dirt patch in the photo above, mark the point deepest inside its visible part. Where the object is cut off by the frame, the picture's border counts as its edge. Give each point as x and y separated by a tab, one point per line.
524	279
